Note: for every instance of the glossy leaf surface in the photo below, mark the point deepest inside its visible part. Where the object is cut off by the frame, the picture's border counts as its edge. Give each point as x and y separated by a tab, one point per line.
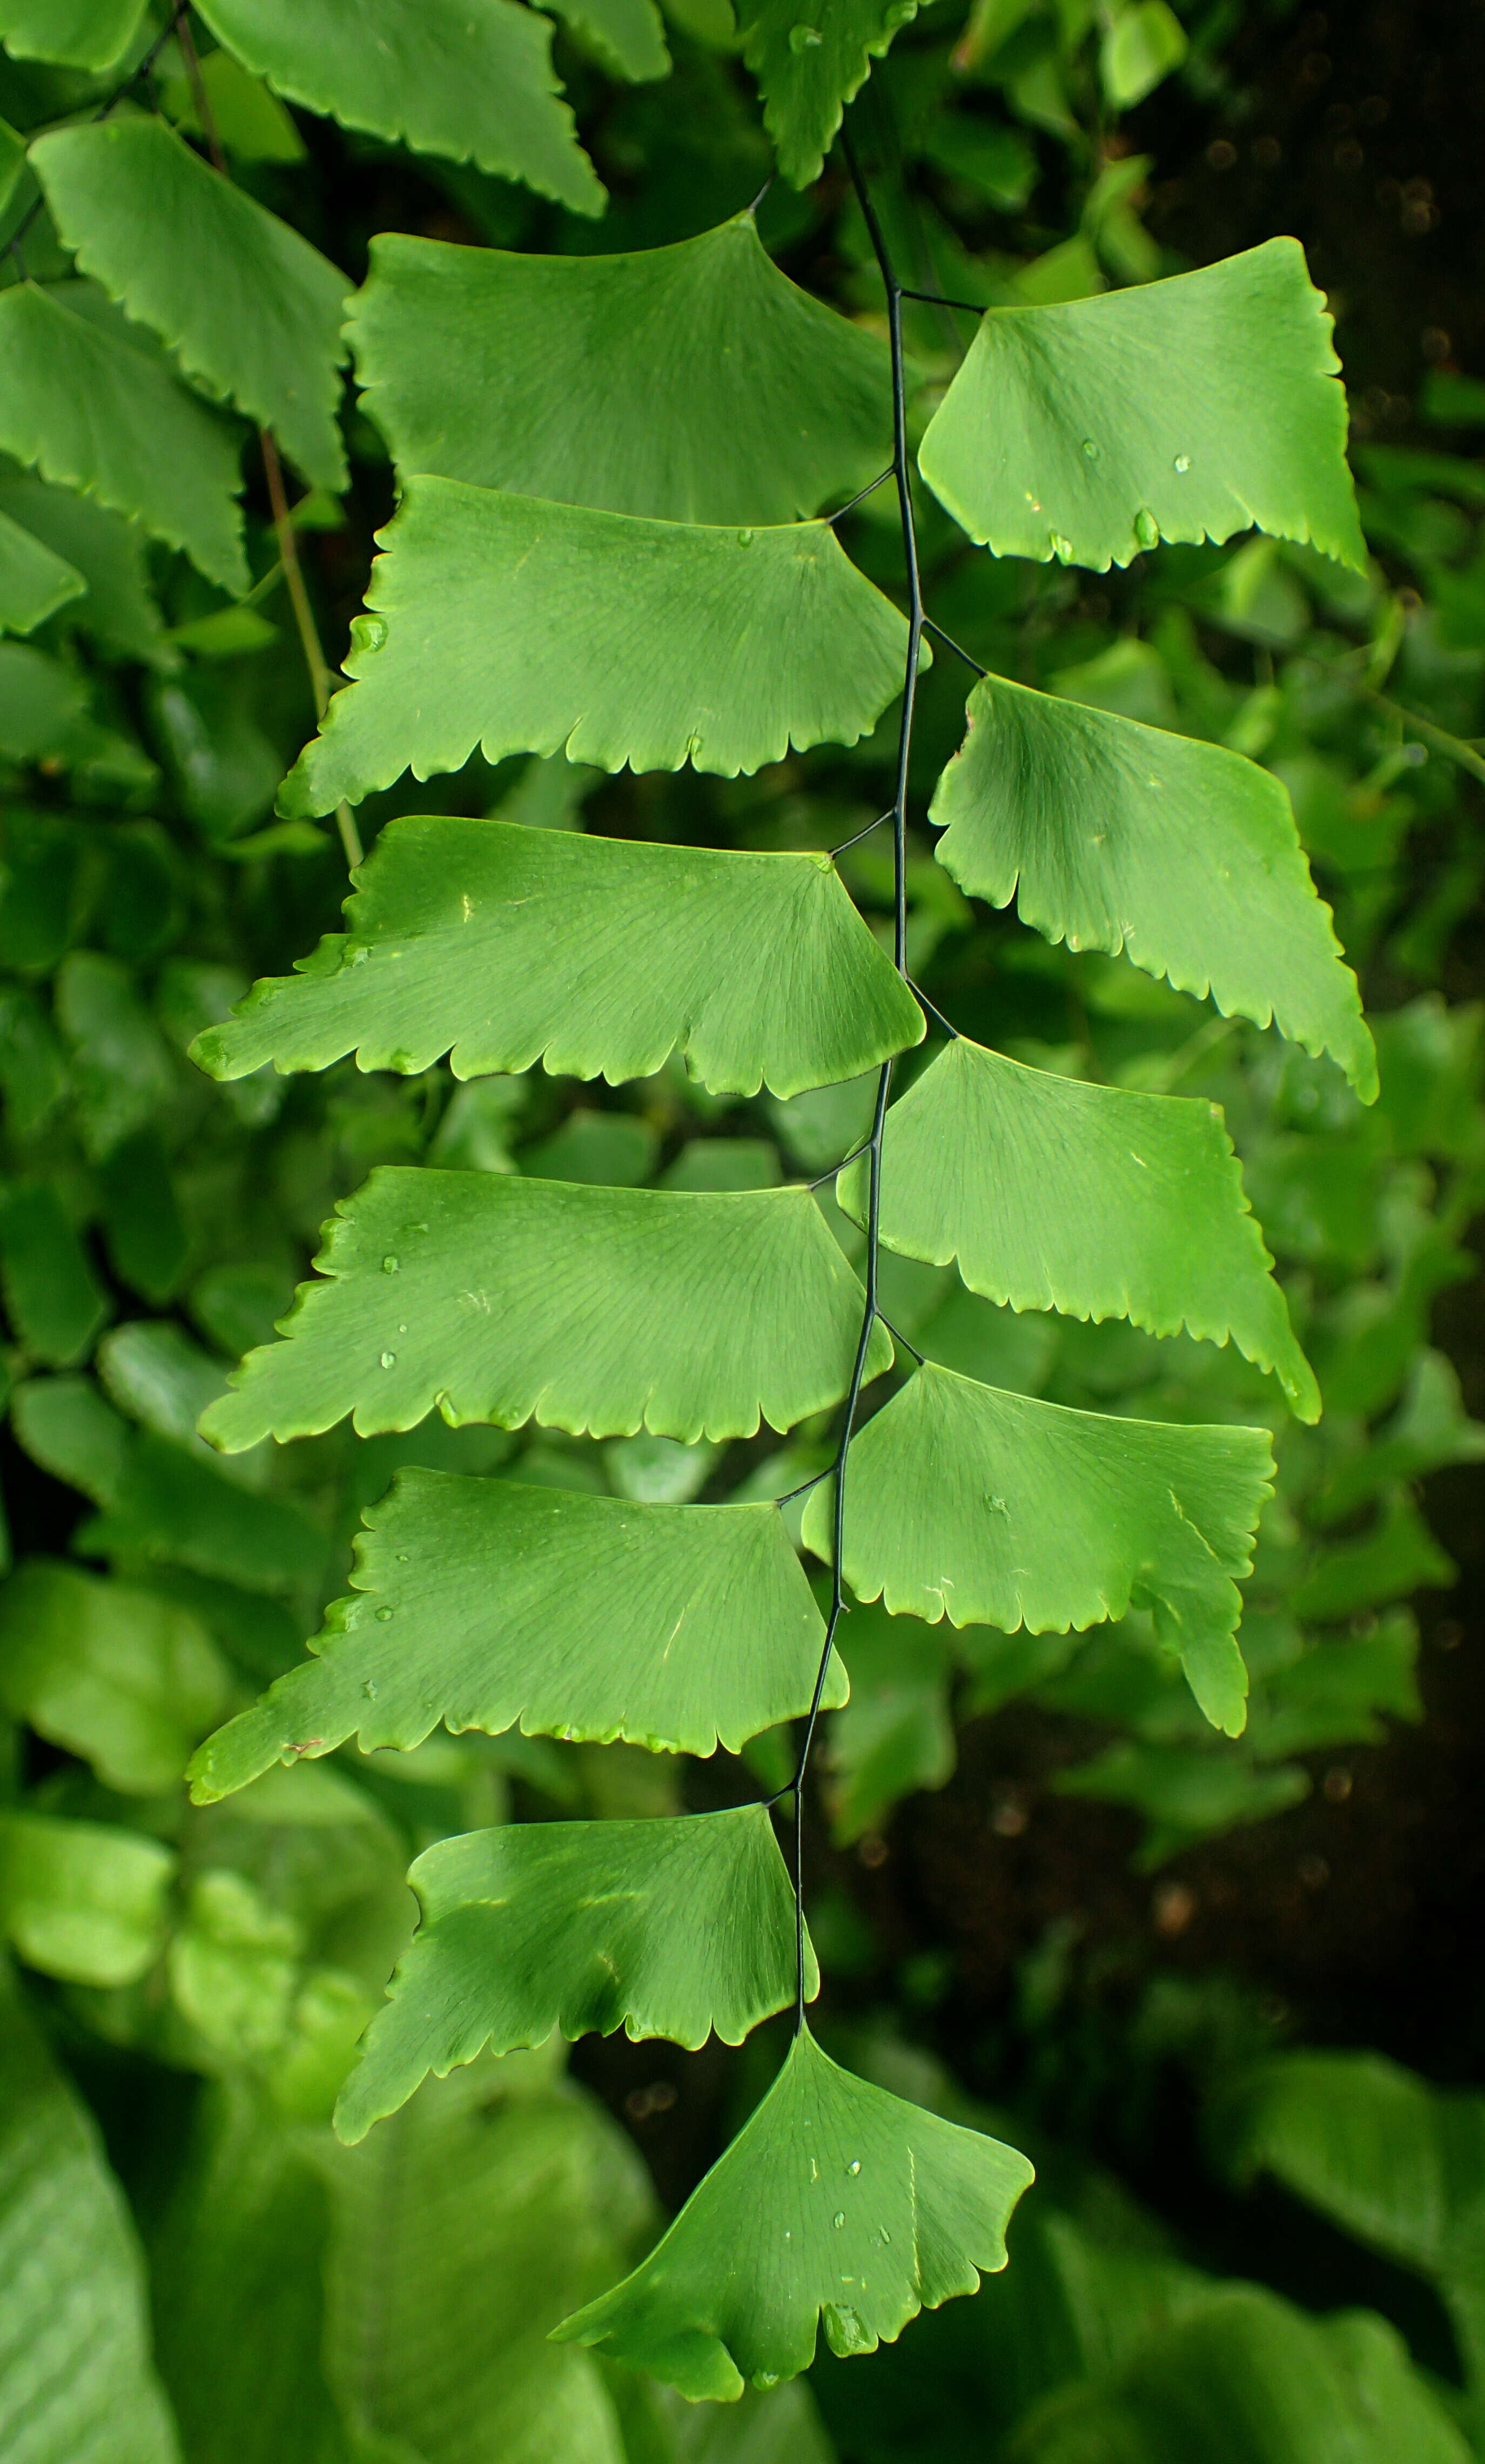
692	383
837	2206
599	956
1002	1169
1184	410
499	1299
809	57
521	627
251	309
997	1510
484	1603
1111	835
679	1927
469	79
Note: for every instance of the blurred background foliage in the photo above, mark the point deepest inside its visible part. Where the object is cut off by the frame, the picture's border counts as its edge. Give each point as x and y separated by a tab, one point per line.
1224	1991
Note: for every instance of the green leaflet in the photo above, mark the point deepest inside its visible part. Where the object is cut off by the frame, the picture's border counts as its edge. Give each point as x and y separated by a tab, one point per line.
1002	1168
34	581
1184	410
108	552
77	33
125	1679
691	384
162	456
75	2379
251	309
995	1509
809	57
470	78
595	955
521	627
52	1298
627	36
484	1603
83	1901
853	2209
499	1299
1114	836
679	1927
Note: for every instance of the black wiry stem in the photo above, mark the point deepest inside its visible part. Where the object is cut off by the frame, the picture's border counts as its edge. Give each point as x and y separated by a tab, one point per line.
957	647
872	1314
935	300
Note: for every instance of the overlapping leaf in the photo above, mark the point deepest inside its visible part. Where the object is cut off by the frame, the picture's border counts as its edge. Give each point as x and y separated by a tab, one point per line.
679	1928
1184	410
993	1508
105	550
522	627
690	384
121	1676
484	1603
75	33
627	36
809	57
35	582
1114	836
83	1901
1003	1169
470	78
499	1299
836	2206
596	955
160	455
251	309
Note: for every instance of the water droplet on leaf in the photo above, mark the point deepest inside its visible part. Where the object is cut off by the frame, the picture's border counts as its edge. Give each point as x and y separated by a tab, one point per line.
390	1265
1182	463
370	632
854	2165
1090	448
804	38
838	2218
384	1617
1146	528
1061	548
368	1689
745	538
389	1361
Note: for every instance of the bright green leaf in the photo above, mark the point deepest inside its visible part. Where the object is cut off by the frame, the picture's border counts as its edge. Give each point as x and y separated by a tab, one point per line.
468	78
52	1298
484	1603
997	1510
162	456
1141	46
681	1928
34	581
811	57
527	627
542	375
252	311
249	122
627	37
596	955
125	1679
1114	836
1003	1169
75	33
64	1424
1184	410
500	1298
83	1901
108	552
855	2209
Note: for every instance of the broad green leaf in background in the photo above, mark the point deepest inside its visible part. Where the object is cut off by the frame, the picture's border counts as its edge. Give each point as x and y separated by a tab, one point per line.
469	79
596	955
1183	409
84	1900
250	309
172	1507
108	552
527	627
896	1734
76	2385
125	1679
676	1927
691	384
485	1603
35	582
162	456
809	57
854	2210
627	36
1002	1168
997	1510
1185	1795
1111	835
1142	42
500	1298
52	1298
77	33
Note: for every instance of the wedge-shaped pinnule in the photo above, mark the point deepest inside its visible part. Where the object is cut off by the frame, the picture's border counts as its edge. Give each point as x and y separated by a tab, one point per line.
837	2206
469	79
499	1299
679	1927
809	57
249	307
1184	410
1002	1168
522	627
991	1509
35	582
162	455
627	35
1114	836
484	1603
692	383
75	33
599	956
